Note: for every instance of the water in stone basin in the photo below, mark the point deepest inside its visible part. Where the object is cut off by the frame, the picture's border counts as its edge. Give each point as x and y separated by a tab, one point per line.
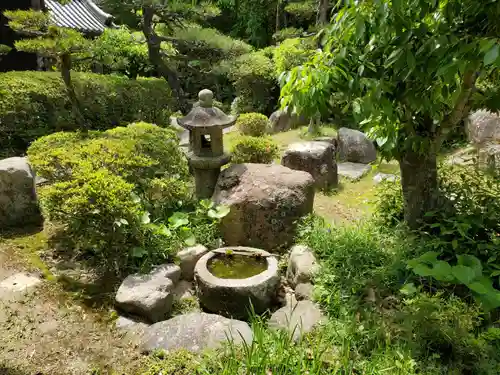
236	266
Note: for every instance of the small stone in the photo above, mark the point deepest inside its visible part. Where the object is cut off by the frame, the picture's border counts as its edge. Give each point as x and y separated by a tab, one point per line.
188	258
149	295
353	171
195	332
170	270
183	290
302	265
304	291
379	177
20	282
297	319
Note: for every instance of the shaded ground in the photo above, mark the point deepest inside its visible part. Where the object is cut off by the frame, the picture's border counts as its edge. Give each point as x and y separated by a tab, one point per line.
45	331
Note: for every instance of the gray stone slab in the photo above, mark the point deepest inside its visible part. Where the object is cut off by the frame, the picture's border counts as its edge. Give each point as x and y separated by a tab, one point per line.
353	171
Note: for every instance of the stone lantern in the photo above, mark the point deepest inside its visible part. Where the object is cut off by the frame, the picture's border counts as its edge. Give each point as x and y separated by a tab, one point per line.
205	124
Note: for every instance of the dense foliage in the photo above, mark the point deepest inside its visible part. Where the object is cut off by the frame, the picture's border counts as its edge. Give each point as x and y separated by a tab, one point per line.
34	104
105	192
407	71
262	150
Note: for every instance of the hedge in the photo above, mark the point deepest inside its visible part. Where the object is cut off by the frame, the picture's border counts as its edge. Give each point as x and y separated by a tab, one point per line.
34	104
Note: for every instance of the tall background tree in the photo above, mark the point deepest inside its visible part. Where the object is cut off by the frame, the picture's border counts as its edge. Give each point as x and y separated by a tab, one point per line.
407	70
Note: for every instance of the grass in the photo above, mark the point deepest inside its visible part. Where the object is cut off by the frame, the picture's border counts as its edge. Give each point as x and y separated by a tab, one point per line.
373	326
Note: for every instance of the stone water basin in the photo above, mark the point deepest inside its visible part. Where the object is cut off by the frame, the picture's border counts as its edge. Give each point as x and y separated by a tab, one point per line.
232	281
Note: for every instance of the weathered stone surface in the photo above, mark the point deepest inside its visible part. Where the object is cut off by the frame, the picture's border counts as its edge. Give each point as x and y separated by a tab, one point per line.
302	265
19	282
317	158
379	177
18	205
150	295
489	157
265	202
183	289
304	291
188	258
236	298
298	319
355	147
127	324
282	121
195	332
484	127
353	171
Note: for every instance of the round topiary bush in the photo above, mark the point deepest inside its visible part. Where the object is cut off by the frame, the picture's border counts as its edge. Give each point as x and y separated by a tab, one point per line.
261	150
253	124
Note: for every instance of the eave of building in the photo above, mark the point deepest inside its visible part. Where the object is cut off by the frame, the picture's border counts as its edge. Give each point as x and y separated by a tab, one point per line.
81	15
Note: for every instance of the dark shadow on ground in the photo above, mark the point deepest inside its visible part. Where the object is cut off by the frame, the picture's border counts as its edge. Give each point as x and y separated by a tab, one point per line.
4	370
11	233
96	294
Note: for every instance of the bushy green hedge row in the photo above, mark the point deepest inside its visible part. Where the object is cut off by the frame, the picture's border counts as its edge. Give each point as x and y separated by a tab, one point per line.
34	104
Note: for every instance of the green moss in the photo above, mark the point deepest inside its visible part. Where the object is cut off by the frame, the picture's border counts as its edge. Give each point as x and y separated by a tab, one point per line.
235	266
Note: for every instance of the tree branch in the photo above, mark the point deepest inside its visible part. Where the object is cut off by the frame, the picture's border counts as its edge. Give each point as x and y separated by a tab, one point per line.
463	104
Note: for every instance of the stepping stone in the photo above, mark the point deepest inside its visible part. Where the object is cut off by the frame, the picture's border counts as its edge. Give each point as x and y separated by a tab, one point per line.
353	171
126	324
379	177
20	282
150	295
297	319
195	332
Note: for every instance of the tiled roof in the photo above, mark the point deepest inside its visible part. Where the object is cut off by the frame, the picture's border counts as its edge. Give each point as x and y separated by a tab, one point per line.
82	15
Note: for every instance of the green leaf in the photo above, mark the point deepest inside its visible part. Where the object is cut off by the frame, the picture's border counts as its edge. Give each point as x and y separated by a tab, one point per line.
163	230
178	219
454	244
190	241
135	198
442	271
423	270
478	287
219	212
145	219
491	56
138	252
472	262
430	256
463	274
408	289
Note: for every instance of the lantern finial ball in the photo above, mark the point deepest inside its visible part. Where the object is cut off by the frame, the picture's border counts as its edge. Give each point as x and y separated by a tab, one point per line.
206	98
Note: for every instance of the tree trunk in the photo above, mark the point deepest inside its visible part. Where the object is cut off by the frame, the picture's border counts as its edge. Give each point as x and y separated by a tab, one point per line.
154	50
419	181
73	98
323	7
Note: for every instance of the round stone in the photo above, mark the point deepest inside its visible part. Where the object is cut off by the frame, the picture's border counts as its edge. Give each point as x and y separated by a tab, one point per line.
236	297
206	98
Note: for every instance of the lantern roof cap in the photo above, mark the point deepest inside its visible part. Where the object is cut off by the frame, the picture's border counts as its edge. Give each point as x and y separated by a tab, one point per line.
205	116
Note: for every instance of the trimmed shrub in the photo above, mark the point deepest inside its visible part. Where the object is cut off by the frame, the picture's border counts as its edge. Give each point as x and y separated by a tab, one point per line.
105	191
254	80
253	124
262	150
35	104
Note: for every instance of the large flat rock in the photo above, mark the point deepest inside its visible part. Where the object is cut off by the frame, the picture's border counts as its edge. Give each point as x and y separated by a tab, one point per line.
195	332
353	171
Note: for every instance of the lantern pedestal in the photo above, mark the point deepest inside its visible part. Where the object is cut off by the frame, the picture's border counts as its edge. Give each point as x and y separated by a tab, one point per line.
206	171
